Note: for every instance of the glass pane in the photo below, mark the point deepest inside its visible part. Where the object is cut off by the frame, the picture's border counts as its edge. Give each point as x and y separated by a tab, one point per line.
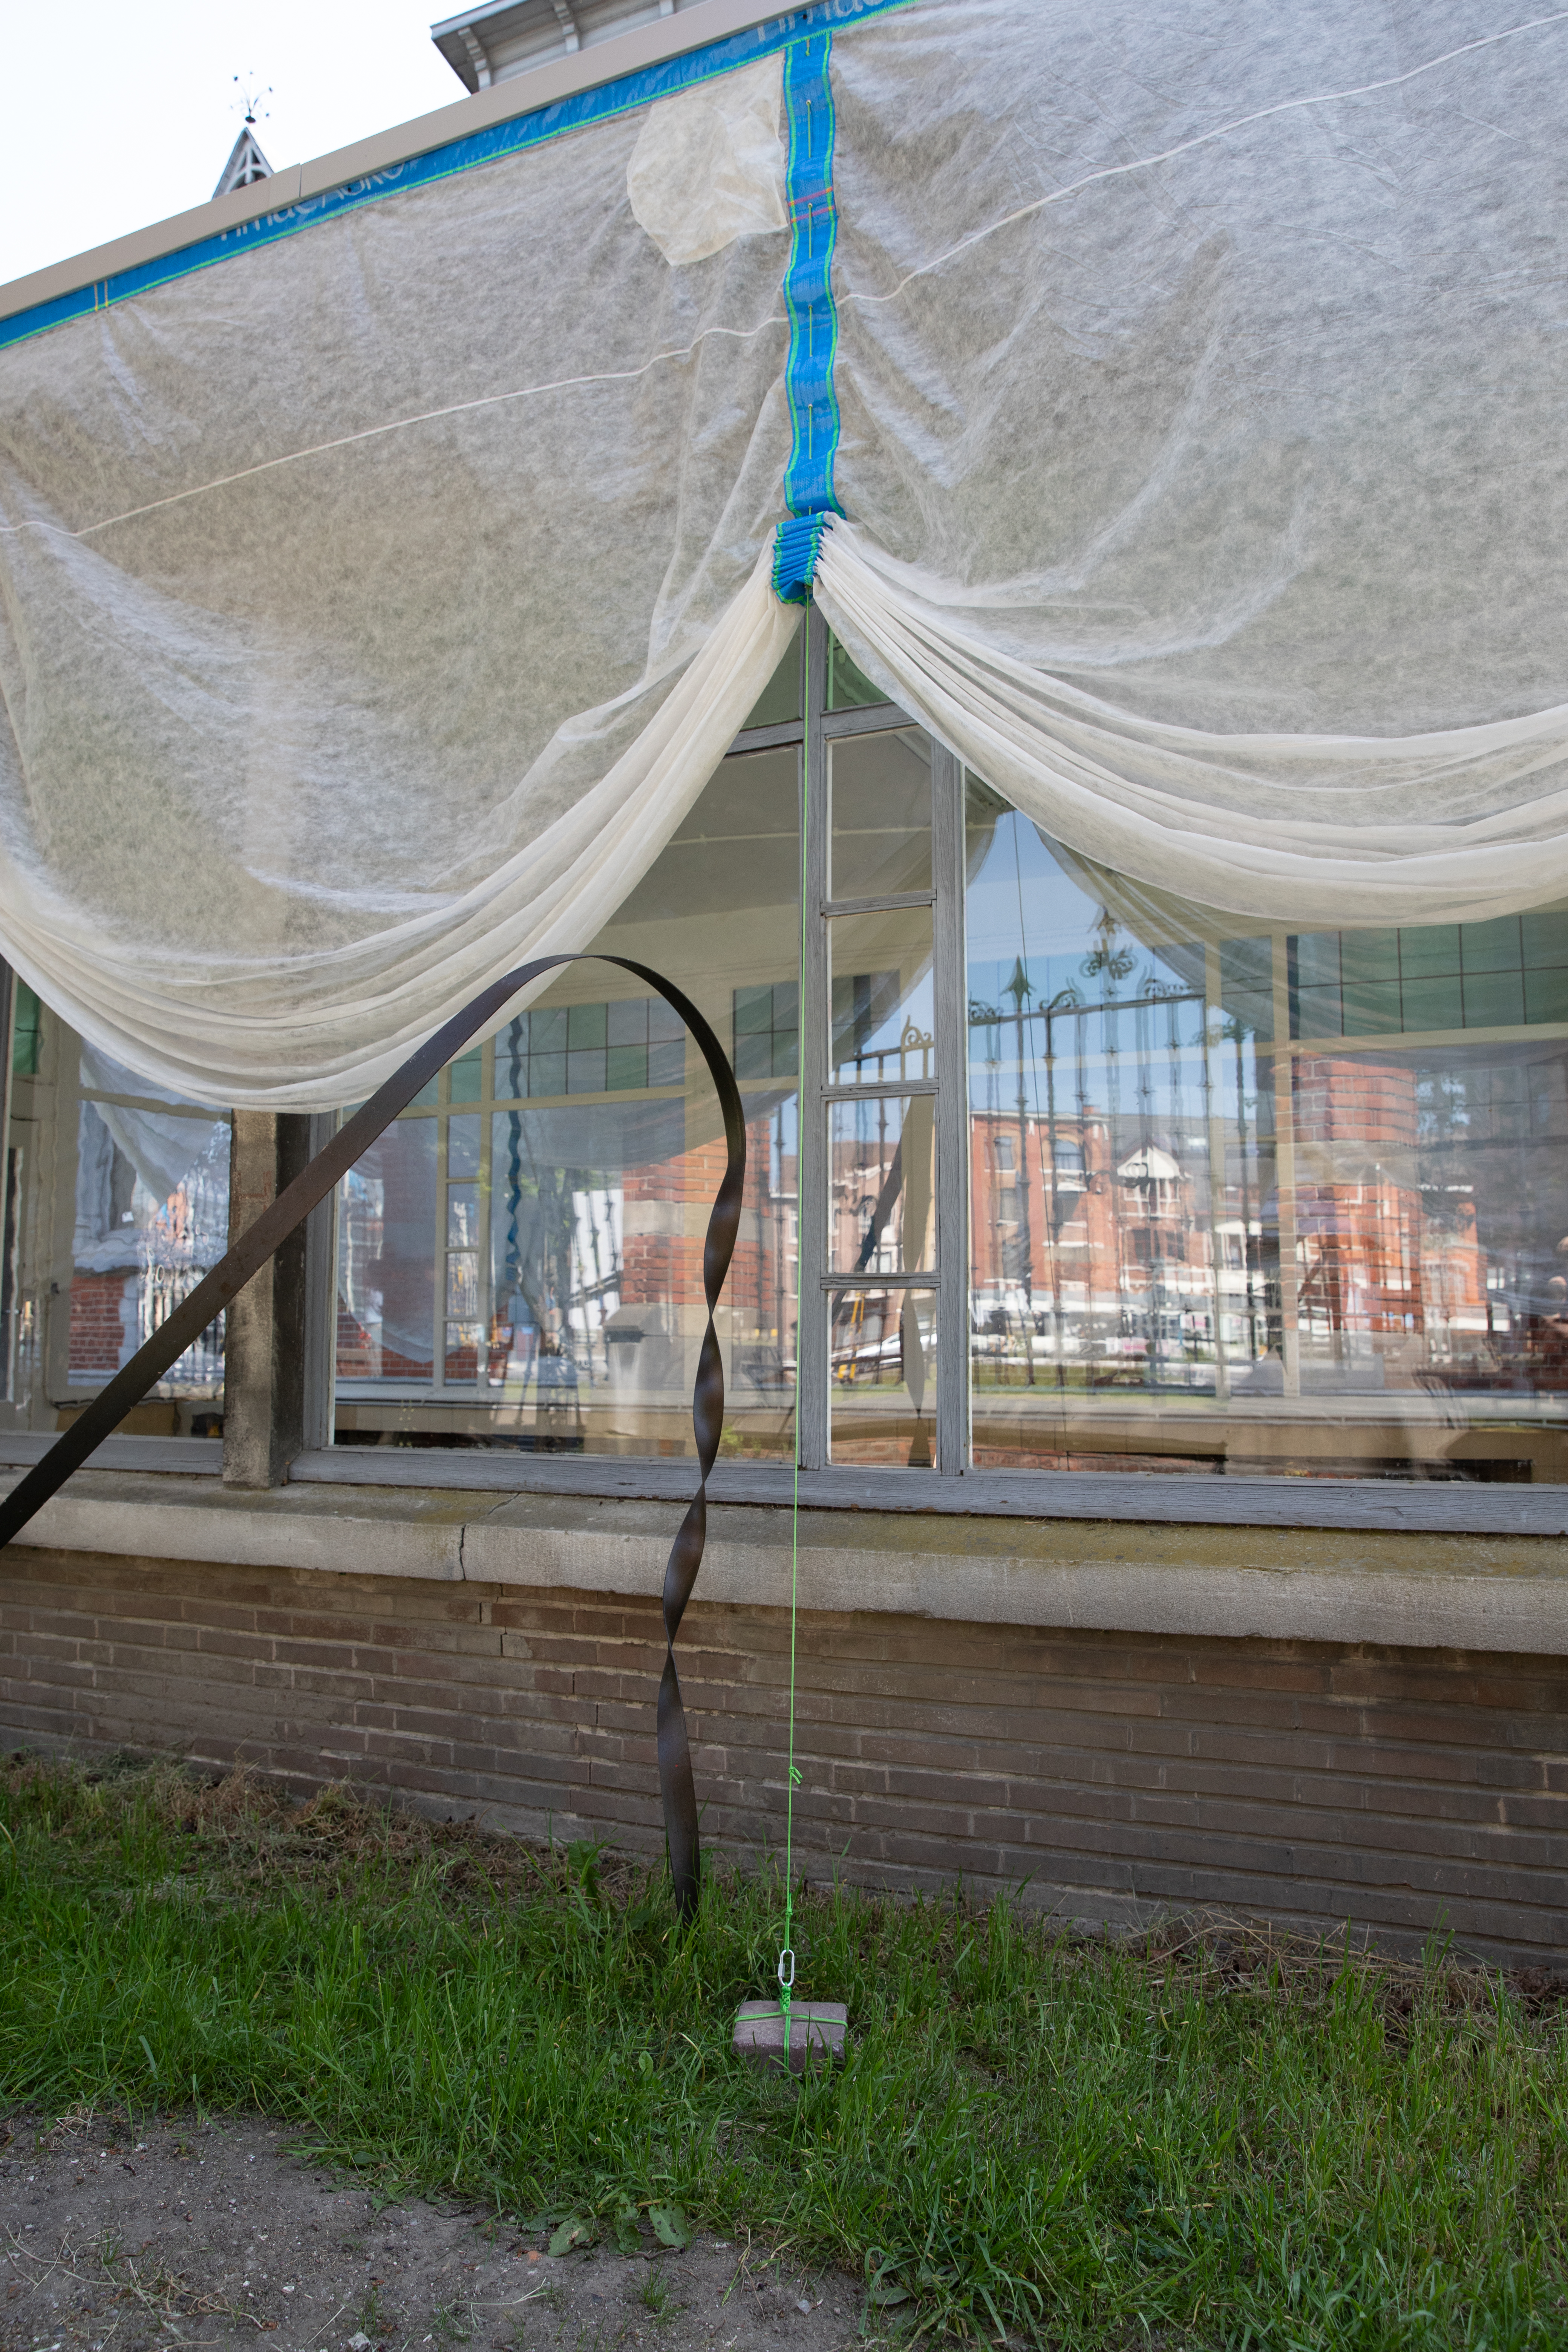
462	1216
849	688
1431	1239
780	698
462	1284
882	1168
881	1009
387	1272
26	1017
643	1045
152	1218
880	843
1194	1248
767	1030
464	1139
1509	973
882	1390
567	1310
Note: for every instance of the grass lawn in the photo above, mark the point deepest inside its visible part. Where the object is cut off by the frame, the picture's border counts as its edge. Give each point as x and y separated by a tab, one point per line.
1210	2139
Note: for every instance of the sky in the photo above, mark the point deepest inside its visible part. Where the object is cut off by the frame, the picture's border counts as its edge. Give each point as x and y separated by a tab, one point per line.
116	113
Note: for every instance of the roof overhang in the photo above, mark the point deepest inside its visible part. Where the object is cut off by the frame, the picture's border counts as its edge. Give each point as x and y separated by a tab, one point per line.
499	38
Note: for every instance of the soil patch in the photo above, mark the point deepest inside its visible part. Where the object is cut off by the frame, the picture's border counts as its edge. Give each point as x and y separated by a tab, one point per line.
212	2234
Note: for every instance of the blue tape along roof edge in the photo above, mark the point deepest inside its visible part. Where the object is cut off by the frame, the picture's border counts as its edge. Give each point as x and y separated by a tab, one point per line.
501	139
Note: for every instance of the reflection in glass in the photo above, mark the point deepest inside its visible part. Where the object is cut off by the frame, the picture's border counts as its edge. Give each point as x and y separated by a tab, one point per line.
882	1392
464	1138
152	1218
1431	1227
1506	973
614	1048
780	699
881	1001
386	1273
849	688
767	1030
880	844
1196	1247
882	1153
569	1206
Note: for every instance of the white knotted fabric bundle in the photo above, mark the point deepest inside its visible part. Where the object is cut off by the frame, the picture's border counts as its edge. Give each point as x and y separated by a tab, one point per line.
375	602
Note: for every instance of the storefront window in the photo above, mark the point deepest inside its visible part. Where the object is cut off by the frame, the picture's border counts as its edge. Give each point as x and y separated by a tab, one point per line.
1048	1169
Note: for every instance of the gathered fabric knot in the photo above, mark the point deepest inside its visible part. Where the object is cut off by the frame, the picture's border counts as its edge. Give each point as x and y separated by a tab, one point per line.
797	543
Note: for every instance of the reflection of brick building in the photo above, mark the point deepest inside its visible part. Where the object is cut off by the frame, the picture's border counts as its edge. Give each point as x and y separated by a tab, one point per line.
103	1334
403	1279
1055	1211
1358	1226
665	1212
1371	1261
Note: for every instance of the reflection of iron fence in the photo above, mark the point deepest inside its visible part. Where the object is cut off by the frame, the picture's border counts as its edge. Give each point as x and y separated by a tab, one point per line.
190	1228
1145	1295
199	1371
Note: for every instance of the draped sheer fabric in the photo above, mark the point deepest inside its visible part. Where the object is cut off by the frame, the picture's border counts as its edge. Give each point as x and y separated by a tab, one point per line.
375	604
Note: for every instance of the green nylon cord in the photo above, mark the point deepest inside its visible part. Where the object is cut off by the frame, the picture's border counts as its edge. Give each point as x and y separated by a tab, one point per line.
792	1777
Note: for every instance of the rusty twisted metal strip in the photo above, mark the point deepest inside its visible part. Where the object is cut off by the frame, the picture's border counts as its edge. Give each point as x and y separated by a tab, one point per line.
293	1204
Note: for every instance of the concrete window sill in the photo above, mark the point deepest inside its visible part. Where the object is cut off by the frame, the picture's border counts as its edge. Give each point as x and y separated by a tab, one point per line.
1410	1587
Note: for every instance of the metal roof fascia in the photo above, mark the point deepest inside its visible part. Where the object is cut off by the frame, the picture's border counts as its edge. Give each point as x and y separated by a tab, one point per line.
692	27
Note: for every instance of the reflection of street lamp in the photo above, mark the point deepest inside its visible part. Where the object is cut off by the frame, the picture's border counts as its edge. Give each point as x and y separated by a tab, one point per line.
1019	990
1066	999
1109	964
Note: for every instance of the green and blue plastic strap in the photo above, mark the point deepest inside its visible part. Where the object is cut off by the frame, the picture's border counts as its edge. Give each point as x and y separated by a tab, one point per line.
808	487
810	497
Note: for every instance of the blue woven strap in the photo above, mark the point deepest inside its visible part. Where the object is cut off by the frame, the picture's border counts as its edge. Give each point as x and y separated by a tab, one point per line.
813	316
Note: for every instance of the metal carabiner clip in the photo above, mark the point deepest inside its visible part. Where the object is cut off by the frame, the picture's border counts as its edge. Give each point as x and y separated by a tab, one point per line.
787	1983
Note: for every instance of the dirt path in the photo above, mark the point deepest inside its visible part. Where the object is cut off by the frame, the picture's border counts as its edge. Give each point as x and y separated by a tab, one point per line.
213	2235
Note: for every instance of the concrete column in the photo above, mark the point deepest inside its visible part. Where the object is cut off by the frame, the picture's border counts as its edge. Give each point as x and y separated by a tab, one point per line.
264	1377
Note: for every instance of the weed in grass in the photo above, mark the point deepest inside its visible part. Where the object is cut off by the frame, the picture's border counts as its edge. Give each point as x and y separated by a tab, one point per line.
653	2295
1217	2137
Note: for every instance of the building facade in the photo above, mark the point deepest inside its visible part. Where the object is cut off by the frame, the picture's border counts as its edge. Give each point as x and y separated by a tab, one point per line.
1167	1314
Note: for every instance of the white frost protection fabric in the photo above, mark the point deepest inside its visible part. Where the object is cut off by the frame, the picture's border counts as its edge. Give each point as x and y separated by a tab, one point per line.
355	1010
374	603
1201	372
708	165
373	607
1321	830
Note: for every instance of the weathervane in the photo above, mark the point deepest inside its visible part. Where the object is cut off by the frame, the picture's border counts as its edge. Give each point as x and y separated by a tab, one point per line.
252	98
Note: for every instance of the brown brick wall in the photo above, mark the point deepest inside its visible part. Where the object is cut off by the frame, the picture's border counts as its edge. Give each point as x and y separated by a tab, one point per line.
97	1338
1402	1789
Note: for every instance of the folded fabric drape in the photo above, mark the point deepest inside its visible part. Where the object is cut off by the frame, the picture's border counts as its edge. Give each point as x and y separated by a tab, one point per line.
247	1031
1321	829
380	586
